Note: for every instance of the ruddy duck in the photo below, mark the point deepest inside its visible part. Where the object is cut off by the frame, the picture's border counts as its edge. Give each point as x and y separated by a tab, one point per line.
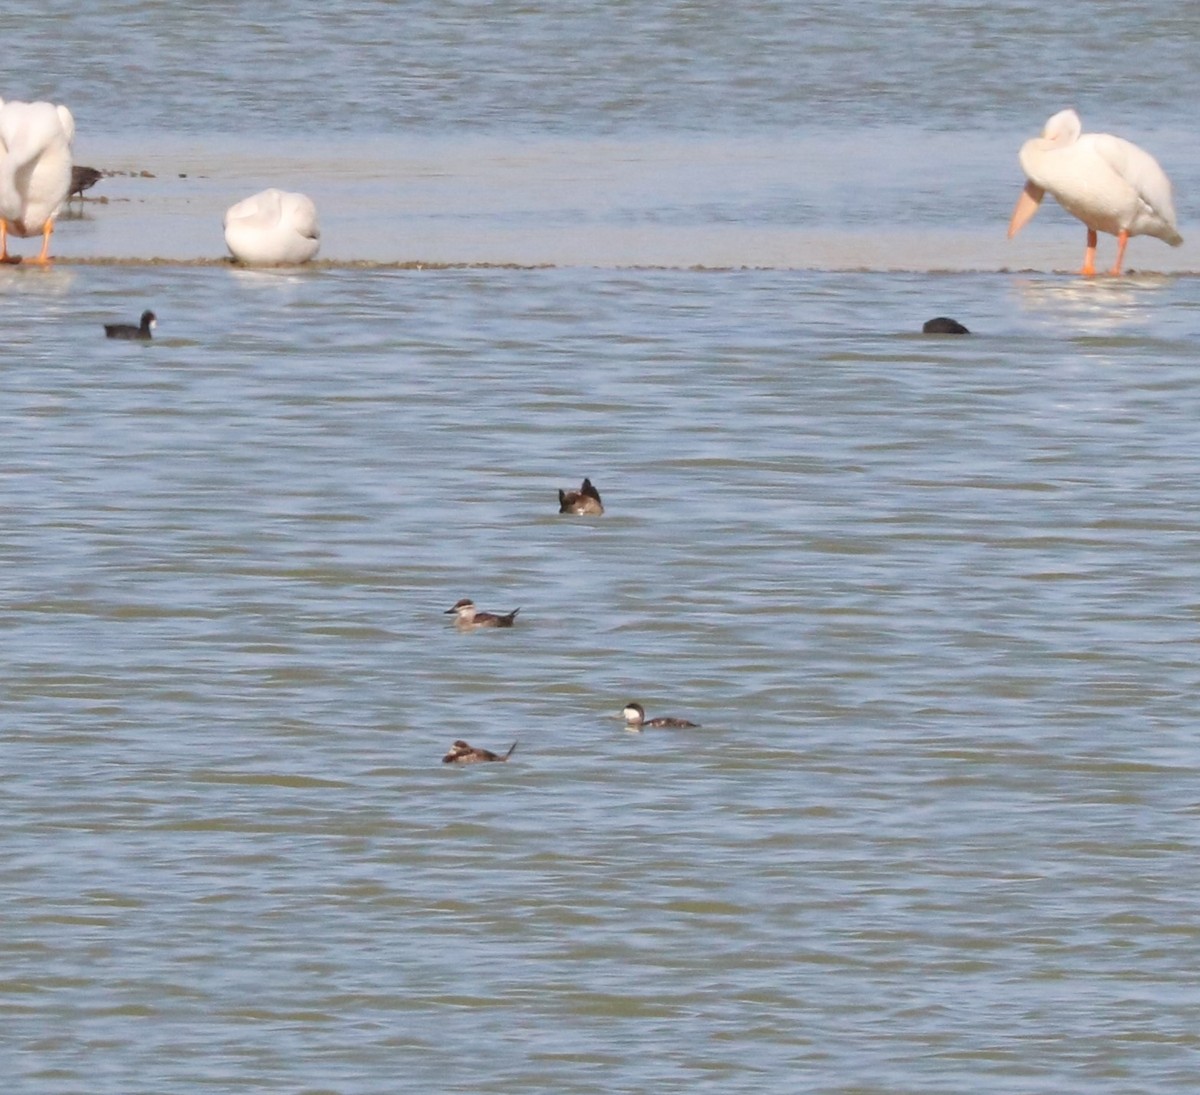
585	500
635	719
131	330
469	616
462	753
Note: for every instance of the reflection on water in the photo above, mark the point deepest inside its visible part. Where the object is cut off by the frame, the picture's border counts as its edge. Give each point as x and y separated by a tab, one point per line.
1096	306
35	282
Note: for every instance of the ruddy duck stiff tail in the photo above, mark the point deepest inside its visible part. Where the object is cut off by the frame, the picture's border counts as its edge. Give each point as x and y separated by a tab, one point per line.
635	719
462	753
585	500
469	616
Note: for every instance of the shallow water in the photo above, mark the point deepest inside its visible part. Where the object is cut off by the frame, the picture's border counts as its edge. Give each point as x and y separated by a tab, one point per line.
830	136
931	599
815	202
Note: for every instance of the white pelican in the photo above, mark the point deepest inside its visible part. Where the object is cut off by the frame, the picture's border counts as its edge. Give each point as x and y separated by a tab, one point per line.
35	171
1108	183
273	228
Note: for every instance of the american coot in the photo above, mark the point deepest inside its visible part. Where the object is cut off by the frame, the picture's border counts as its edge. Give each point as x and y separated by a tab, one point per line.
35	171
1107	182
469	616
274	228
585	500
944	325
635	719
129	330
462	753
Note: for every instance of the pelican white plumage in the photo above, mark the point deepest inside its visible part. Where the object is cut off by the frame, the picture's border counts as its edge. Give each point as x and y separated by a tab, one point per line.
273	228
1107	182
35	171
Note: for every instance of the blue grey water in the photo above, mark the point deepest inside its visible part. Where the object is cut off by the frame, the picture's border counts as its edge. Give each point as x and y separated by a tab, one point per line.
933	600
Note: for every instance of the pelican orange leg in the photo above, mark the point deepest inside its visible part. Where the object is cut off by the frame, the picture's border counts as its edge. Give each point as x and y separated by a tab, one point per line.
4	255
1122	242
1089	256
43	258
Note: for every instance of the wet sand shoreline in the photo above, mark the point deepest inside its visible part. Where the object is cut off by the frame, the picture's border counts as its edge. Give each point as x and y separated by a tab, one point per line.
417	265
395	203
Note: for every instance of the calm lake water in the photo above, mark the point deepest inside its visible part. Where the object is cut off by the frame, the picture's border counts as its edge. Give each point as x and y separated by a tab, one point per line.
933	600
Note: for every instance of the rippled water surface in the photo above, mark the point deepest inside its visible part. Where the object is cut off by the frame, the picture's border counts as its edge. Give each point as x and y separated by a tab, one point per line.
257	67
933	600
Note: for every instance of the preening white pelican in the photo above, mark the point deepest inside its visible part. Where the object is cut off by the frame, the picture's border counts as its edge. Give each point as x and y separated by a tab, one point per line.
35	171
1108	183
273	228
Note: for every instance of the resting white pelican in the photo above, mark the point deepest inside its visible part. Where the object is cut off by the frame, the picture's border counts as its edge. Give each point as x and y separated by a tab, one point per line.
35	171
273	228
1108	183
